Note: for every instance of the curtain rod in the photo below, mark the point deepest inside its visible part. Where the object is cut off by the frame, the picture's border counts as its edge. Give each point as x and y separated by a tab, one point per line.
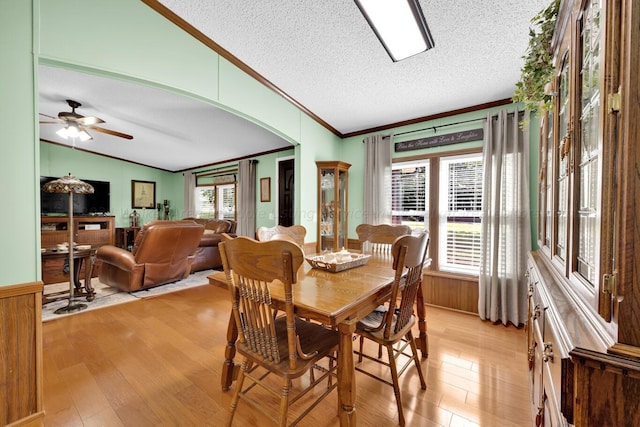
435	127
445	125
202	174
222	168
254	161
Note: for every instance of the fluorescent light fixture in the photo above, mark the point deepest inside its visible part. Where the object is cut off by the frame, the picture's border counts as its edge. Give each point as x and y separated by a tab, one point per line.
399	25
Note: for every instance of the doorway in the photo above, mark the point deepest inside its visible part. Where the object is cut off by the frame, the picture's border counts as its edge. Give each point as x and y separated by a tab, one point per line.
286	191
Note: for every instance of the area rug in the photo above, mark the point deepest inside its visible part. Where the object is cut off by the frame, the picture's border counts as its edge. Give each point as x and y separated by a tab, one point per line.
106	295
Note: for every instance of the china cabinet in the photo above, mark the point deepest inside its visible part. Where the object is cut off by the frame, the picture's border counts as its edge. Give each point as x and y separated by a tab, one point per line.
333	180
584	290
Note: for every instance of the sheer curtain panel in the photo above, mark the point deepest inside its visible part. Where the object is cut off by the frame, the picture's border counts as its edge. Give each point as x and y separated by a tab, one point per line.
377	180
506	233
246	202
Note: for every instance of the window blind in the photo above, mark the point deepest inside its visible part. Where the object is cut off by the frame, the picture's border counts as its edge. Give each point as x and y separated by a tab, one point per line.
460	213
410	194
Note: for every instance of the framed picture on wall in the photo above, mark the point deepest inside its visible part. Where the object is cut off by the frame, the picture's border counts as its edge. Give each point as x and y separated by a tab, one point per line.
265	189
143	194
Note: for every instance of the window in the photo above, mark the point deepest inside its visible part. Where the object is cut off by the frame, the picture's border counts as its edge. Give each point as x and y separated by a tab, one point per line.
216	197
227	201
460	209
457	199
205	202
410	189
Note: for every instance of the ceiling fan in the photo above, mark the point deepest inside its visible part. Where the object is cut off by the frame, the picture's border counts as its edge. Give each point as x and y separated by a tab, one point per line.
76	125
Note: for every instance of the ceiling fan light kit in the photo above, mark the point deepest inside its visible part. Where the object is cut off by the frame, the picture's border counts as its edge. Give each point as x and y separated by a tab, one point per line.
76	125
71	130
399	25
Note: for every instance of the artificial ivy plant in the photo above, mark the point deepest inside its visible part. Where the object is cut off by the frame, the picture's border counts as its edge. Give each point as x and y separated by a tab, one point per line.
538	69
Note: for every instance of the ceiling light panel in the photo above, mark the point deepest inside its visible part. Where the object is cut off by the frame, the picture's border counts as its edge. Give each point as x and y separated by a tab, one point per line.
399	25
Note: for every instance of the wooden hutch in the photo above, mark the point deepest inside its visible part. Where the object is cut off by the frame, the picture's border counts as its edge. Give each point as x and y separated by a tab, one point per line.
584	303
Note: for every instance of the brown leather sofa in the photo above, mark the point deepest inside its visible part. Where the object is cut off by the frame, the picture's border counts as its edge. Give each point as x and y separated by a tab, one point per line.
163	252
208	254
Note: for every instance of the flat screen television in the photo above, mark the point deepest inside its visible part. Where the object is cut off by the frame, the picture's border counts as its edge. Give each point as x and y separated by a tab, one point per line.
97	203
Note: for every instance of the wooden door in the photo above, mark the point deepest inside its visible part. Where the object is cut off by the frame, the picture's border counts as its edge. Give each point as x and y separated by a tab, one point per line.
286	187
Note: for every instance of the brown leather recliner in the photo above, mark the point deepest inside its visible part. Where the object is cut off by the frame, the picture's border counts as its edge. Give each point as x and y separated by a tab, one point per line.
162	253
208	254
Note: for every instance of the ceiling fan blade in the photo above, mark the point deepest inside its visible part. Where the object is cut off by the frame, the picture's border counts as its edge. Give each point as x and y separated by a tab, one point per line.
51	117
111	132
49	123
88	121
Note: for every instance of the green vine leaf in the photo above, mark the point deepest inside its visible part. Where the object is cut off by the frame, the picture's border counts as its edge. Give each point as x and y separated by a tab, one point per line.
538	70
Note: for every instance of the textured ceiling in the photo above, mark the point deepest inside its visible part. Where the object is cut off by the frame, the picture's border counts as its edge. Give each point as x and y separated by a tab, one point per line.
321	54
324	55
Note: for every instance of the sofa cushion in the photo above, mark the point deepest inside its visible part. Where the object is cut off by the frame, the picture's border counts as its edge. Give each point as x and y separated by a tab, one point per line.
210	239
218	226
208	255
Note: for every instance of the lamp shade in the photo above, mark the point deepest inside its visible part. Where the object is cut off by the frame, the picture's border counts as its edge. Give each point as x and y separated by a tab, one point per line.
68	184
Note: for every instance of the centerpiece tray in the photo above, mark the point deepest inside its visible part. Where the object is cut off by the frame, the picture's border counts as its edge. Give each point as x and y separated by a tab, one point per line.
336	262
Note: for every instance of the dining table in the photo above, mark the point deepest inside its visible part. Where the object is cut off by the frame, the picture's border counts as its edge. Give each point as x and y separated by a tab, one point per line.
338	300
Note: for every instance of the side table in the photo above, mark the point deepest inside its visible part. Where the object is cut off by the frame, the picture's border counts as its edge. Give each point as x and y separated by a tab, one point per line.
80	256
126	236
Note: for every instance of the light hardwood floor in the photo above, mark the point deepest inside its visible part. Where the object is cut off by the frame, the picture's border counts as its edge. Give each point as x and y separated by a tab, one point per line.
157	362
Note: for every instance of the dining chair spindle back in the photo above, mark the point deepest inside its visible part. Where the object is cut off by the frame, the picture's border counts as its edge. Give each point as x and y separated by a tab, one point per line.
270	341
380	238
391	324
294	233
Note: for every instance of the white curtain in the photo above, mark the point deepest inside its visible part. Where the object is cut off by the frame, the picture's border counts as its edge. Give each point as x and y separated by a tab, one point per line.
189	195
506	233
377	180
246	200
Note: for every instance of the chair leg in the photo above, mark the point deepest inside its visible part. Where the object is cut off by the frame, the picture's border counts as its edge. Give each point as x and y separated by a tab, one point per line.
284	401
396	385
236	395
330	377
416	359
361	347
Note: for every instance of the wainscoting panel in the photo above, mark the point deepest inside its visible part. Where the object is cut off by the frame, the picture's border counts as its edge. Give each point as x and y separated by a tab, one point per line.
451	291
21	354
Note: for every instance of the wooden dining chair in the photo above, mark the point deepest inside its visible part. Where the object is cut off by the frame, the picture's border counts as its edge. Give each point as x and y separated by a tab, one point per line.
390	326
295	233
380	238
283	344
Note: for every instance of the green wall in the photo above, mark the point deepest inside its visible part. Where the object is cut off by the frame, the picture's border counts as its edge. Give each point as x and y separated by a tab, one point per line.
19	224
56	160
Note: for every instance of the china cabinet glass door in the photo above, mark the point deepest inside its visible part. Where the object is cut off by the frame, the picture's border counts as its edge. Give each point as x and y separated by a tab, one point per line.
332	205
